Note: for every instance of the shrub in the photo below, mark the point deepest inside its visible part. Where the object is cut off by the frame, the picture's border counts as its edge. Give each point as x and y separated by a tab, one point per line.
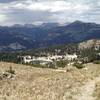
78	65
61	63
10	70
96	62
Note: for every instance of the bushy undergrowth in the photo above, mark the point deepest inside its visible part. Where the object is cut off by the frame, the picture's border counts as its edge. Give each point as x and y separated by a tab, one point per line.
54	65
96	62
61	63
78	65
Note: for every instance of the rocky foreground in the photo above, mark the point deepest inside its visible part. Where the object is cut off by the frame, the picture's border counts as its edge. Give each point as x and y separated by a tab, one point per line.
29	83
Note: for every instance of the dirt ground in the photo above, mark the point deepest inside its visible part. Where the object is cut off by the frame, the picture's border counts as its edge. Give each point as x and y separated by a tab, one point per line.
31	83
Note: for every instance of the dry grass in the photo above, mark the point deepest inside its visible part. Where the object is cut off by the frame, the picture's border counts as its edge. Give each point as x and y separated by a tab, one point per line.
93	70
41	84
97	91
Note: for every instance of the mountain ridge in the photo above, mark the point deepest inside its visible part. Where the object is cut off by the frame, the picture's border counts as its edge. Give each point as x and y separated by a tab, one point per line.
49	34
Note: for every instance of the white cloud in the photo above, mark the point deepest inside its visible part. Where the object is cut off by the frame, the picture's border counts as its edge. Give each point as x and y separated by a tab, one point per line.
3	18
24	11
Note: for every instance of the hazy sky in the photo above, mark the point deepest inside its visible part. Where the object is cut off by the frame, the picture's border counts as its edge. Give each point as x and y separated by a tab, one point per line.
39	11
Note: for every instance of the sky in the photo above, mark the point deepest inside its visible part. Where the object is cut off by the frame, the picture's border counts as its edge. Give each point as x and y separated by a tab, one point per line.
48	11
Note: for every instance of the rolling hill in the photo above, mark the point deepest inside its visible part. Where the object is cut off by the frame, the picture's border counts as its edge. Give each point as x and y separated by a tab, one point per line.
69	83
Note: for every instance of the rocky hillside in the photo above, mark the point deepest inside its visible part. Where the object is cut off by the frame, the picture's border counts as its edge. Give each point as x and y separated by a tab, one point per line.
95	43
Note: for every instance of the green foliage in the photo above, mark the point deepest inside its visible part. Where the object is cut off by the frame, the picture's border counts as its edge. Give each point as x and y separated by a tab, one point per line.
38	65
96	62
89	53
78	65
10	57
61	63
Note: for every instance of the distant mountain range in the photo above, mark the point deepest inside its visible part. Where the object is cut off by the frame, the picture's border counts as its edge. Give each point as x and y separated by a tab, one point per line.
21	37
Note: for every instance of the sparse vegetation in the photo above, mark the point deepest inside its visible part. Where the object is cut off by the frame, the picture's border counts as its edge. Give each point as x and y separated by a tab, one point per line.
45	84
10	70
7	74
61	63
78	65
39	84
97	91
96	62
